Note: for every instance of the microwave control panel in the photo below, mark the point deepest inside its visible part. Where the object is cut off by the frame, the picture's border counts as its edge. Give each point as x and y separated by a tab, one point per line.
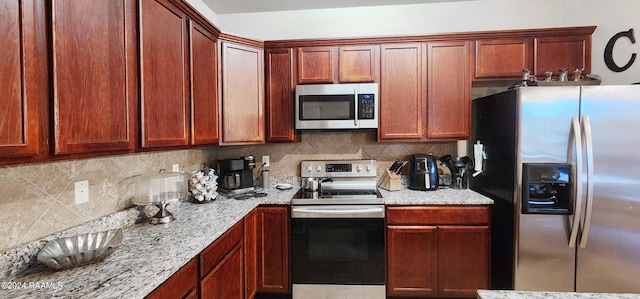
366	106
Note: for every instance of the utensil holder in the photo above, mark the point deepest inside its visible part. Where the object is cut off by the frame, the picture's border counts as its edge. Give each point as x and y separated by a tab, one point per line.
390	181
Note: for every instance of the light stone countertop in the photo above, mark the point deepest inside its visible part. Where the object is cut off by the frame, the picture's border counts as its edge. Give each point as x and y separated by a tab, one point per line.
488	294
437	197
150	254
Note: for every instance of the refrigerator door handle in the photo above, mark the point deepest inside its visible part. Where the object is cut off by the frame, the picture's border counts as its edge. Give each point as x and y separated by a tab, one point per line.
588	141
575	136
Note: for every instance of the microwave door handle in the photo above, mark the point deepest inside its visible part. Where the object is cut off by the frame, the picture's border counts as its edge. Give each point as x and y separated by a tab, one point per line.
355	117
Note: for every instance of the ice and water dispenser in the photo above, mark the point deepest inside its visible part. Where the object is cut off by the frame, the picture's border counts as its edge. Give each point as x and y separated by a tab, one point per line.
547	188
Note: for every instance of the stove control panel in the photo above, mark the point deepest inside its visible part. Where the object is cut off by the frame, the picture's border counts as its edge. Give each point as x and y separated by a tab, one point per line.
338	168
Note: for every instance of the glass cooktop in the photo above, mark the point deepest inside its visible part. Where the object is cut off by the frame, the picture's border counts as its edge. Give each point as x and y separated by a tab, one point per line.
338	197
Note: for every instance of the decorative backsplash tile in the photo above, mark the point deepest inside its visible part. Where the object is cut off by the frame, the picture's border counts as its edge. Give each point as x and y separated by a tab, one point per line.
38	199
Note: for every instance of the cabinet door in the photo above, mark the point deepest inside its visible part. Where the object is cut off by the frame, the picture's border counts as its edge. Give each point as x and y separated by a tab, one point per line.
449	91
251	254
412	261
503	58
182	284
164	74
280	96
94	75
226	279
316	65
463	260
358	64
204	85
242	94
402	92
556	52
273	250
23	91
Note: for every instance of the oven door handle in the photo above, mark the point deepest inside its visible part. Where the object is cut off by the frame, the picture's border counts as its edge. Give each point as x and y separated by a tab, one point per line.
338	211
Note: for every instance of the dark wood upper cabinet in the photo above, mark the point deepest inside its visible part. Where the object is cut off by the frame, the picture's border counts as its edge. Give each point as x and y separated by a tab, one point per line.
95	90
204	85
164	74
402	92
503	58
556	52
449	90
358	64
316	65
23	73
280	102
242	94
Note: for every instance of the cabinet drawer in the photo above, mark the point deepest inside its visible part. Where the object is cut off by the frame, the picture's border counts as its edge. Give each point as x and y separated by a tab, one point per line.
213	254
182	283
437	215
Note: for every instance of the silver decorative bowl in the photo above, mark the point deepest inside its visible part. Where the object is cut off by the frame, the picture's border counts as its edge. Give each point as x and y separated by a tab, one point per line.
65	253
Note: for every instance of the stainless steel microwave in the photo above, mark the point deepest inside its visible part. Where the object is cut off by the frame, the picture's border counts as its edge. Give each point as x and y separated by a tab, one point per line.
337	106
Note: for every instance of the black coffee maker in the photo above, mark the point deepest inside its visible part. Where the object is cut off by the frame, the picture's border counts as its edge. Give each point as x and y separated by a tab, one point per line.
236	175
423	173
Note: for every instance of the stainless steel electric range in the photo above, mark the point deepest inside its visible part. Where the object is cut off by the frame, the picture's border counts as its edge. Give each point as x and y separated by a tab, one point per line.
337	235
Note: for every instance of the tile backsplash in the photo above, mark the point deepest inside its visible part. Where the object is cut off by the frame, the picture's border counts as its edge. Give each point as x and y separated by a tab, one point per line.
38	199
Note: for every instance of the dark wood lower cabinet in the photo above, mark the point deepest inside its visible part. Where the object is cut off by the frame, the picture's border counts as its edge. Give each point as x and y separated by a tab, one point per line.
463	260
273	250
412	261
183	284
251	257
251	254
437	251
226	279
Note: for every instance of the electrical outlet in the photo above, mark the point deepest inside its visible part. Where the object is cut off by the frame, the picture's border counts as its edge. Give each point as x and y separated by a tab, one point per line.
82	191
265	161
175	168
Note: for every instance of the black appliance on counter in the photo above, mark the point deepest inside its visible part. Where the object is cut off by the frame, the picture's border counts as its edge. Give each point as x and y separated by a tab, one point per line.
423	173
236	175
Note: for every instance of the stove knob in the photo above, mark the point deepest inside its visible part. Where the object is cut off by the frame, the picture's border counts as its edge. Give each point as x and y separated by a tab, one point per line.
319	168
359	168
368	168
309	168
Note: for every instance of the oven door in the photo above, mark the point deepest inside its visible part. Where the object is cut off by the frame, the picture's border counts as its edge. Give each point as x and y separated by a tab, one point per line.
339	245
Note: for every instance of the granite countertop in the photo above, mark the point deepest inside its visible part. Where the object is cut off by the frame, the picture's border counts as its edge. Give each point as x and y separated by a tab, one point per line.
438	197
488	294
150	254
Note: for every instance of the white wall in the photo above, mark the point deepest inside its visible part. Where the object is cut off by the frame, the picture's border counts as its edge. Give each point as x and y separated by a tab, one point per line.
610	16
204	10
394	20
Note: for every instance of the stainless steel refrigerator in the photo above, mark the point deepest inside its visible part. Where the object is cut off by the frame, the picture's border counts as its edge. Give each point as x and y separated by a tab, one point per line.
563	167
